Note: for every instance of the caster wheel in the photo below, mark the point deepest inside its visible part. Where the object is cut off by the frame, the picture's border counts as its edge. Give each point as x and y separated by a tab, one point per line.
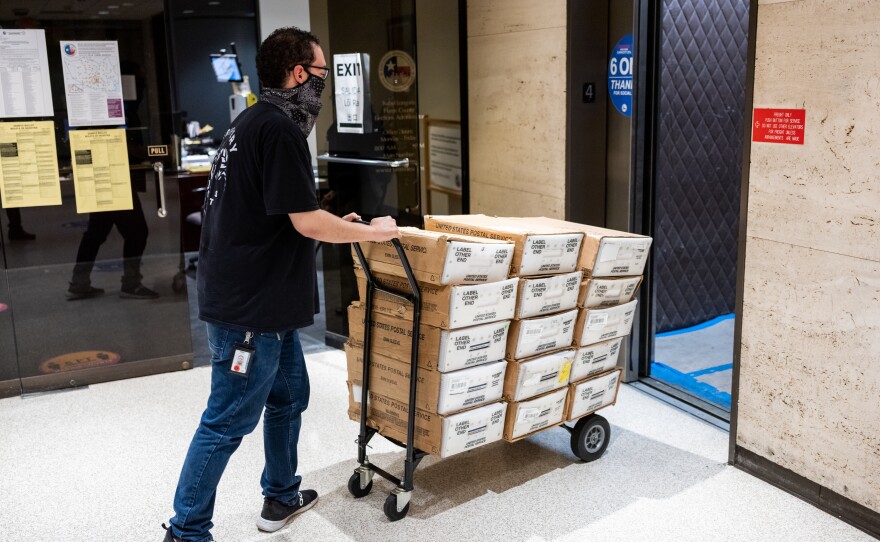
354	486
391	509
590	437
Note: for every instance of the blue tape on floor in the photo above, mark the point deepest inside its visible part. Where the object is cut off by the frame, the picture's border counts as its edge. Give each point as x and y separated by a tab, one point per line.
710	370
690	384
704	325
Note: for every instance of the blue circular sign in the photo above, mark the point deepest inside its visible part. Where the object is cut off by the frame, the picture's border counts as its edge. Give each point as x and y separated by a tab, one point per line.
620	76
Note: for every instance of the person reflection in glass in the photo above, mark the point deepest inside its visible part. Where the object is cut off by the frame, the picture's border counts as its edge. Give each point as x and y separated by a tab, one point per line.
16	230
131	224
133	227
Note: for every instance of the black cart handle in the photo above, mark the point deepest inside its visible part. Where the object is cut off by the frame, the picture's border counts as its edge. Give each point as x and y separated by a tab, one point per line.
416	295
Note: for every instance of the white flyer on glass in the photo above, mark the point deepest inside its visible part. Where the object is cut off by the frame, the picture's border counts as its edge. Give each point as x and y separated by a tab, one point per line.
24	74
348	84
92	83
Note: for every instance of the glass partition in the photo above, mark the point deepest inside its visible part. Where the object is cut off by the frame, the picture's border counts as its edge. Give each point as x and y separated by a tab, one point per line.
93	287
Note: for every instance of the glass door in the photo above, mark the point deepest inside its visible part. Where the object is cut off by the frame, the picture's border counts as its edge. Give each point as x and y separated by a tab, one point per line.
97	293
372	144
9	377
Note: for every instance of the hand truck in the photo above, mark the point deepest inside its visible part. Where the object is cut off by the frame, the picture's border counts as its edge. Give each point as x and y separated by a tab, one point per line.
589	436
361	482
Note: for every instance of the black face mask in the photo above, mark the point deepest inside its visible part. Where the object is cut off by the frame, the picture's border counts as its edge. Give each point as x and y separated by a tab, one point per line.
301	103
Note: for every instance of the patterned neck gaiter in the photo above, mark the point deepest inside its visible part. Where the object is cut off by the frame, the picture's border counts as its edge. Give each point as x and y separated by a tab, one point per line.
301	103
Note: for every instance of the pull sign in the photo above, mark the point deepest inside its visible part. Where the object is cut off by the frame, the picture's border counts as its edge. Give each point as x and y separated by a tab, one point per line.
157	150
589	93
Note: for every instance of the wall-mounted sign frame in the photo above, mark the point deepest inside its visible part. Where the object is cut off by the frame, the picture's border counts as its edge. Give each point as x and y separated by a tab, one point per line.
442	158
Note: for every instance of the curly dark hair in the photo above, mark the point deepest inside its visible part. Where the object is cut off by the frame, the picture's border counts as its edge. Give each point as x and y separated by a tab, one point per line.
281	51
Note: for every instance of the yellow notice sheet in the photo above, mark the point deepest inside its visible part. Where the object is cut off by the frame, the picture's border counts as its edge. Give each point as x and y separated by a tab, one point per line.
28	164
100	170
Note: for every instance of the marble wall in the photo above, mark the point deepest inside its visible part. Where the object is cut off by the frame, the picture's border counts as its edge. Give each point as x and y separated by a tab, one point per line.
516	106
809	397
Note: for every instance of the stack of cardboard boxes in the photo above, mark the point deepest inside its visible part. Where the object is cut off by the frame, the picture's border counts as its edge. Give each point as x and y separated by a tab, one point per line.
545	340
467	304
575	304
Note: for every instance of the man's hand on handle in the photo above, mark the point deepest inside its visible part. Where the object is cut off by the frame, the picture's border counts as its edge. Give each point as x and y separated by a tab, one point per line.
385	228
326	227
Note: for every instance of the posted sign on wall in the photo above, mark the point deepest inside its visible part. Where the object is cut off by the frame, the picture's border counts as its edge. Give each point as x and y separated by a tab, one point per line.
779	126
348	80
620	76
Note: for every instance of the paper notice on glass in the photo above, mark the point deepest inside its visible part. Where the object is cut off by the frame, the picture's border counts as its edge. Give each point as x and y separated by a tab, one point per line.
24	74
92	83
100	170
348	84
444	156
28	164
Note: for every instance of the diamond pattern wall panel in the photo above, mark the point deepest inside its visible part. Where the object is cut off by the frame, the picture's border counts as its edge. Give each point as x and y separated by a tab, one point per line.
698	150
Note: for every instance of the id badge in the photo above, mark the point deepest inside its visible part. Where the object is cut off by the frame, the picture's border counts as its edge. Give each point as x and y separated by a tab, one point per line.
242	356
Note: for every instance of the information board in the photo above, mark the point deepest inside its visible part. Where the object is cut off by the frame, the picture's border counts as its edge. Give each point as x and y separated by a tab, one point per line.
28	164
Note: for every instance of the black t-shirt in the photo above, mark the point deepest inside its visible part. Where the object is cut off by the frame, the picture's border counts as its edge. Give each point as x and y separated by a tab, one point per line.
256	272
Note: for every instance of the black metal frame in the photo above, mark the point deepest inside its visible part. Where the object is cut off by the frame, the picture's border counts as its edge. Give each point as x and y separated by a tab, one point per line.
463	106
644	130
413	455
748	100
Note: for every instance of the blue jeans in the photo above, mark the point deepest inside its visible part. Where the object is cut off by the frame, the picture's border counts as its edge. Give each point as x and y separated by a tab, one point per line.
276	379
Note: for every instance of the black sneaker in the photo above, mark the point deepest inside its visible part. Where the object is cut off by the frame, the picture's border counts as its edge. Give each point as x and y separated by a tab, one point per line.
138	292
168	536
275	515
83	292
19	234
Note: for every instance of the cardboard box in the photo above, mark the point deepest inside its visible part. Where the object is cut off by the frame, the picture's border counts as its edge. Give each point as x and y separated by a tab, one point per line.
527	417
449	307
546	295
542	334
606	253
595	359
443	436
441	393
588	396
599	292
439	349
541	248
439	258
596	325
540	374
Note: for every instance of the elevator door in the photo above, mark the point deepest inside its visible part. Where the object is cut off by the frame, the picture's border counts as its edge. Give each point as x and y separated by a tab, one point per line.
702	69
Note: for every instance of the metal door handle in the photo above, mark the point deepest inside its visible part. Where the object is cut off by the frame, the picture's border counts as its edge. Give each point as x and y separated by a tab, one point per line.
160	170
327	157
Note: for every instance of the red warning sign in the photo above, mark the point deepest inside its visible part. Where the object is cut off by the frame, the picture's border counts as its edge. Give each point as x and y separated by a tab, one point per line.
779	126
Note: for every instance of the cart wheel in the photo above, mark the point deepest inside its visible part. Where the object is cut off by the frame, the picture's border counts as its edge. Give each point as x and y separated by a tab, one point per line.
354	486
391	509
590	437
